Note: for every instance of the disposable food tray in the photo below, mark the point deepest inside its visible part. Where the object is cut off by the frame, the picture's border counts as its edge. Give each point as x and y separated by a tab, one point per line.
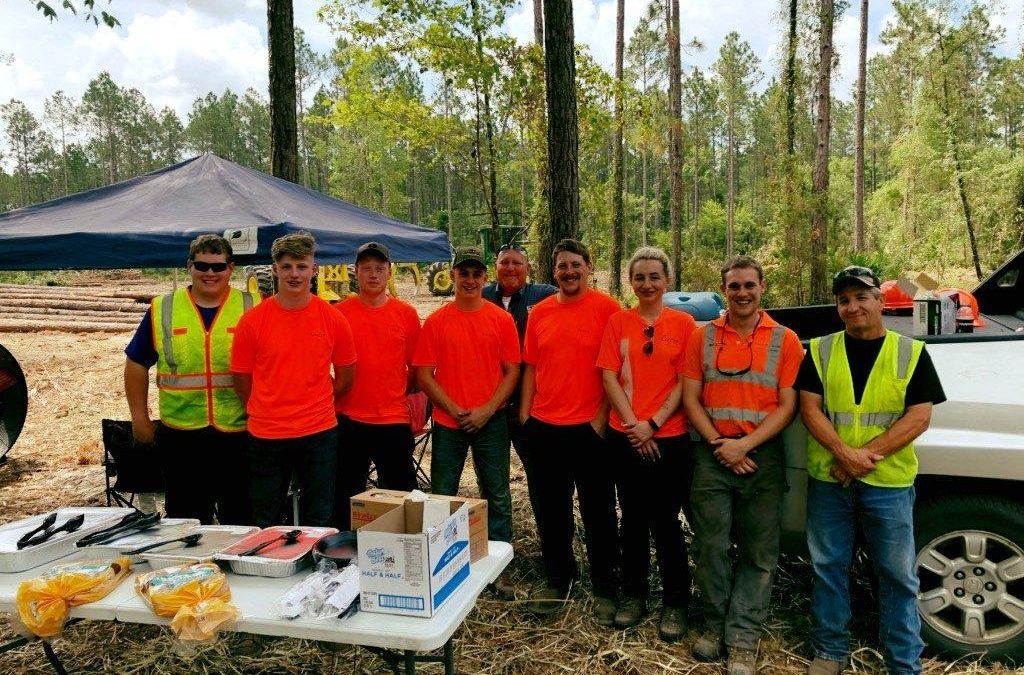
277	561
215	539
62	543
168	528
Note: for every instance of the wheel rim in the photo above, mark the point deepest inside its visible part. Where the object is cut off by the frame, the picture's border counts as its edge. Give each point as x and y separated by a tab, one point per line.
972	587
443	280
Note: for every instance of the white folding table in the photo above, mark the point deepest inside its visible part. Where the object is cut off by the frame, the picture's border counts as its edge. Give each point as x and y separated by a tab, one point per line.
397	639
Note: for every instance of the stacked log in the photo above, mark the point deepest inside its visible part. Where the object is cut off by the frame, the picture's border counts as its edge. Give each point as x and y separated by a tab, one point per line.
71	309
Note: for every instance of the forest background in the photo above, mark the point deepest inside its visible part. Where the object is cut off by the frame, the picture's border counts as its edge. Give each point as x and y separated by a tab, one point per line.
428	111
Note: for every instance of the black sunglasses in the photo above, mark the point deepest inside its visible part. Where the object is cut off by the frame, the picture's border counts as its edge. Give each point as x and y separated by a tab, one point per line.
209	266
735	373
648	347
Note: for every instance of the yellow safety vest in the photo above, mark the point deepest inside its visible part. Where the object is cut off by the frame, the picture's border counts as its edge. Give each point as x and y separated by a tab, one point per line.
882	403
193	364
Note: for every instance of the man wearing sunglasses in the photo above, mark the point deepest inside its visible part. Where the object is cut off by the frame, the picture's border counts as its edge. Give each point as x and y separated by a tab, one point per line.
865	394
188	335
738	394
517	296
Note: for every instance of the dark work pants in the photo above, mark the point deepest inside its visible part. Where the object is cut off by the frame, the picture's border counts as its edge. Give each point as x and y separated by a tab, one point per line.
205	470
271	464
388	446
564	459
517	435
651	494
736	604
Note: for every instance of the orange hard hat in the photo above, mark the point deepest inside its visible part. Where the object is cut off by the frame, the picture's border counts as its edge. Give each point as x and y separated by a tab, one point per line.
967	300
894	297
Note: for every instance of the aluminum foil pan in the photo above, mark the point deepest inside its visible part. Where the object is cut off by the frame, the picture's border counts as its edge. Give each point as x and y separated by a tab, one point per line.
276	560
62	543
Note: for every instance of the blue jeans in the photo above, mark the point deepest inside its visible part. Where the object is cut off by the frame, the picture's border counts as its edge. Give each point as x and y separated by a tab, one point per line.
886	516
449	448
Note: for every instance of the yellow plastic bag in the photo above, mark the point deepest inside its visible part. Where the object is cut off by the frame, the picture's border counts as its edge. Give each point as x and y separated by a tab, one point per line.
43	603
196	598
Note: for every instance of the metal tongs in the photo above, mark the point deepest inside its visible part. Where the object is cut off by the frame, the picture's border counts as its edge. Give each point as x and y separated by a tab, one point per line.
137	521
46	530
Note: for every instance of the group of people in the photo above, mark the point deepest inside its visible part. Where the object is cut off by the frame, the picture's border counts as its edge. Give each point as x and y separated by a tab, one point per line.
631	407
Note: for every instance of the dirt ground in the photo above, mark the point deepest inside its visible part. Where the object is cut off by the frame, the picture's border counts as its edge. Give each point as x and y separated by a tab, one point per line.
75	380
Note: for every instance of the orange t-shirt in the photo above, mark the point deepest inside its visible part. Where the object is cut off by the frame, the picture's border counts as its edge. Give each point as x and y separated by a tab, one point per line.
289	353
467	350
562	341
647	380
734	353
385	340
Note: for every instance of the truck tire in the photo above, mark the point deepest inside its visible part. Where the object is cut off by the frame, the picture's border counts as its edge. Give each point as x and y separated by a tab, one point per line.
970	560
439	279
260	278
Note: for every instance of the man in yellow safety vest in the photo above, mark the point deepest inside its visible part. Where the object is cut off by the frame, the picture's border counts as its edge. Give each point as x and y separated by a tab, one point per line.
865	394
201	439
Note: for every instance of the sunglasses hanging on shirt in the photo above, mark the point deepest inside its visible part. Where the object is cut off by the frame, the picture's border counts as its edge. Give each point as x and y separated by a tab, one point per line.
648	347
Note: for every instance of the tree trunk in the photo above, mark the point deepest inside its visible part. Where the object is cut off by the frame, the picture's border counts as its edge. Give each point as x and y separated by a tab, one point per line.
643	201
790	80
858	162
819	232
961	184
492	170
284	152
730	201
675	152
563	131
615	283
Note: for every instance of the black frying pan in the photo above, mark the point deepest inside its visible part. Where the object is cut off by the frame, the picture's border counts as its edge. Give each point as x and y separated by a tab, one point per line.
13	401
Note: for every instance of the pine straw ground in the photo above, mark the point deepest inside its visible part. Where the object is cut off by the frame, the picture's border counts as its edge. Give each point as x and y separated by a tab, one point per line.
75	380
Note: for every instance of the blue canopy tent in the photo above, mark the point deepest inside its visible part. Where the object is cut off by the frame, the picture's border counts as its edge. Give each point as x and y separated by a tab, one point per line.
148	221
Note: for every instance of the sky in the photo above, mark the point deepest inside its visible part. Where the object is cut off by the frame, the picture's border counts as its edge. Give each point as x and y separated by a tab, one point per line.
177	50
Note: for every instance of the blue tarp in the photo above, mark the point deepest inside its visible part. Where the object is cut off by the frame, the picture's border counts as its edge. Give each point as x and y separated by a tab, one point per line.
148	221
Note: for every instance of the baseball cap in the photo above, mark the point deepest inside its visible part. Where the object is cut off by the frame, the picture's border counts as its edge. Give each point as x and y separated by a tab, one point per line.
373	248
469	254
854	274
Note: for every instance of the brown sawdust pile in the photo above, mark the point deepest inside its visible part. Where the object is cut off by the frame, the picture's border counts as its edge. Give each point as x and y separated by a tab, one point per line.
75	380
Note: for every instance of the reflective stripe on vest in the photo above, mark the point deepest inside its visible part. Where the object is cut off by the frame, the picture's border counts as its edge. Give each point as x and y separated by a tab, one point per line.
882	404
768	377
196	389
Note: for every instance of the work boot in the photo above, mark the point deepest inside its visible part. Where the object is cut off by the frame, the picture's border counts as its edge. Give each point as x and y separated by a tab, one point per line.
708	647
631	611
604	611
547	601
503	588
820	666
741	661
672	624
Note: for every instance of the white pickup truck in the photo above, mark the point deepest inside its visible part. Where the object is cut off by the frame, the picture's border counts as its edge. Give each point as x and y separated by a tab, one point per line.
969	519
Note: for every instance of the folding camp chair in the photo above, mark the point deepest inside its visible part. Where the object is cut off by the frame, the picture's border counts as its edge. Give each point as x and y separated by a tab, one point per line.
132	467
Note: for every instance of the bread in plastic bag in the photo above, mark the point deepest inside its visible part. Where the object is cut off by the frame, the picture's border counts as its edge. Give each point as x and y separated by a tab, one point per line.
195	597
44	602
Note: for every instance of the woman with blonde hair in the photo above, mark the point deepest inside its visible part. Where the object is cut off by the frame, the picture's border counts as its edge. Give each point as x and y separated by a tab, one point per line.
642	357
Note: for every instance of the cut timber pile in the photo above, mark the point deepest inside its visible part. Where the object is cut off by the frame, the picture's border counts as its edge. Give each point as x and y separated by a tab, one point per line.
70	309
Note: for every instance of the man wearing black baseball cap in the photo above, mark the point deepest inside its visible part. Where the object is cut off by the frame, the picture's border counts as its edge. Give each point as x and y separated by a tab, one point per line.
865	394
467	362
373	417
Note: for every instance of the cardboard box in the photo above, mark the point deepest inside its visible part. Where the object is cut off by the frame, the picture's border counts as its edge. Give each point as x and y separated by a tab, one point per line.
934	314
913	283
370	505
405	571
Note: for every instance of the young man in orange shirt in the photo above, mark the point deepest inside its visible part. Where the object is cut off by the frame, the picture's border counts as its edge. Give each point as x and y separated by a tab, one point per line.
281	361
564	411
467	362
738	394
373	416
